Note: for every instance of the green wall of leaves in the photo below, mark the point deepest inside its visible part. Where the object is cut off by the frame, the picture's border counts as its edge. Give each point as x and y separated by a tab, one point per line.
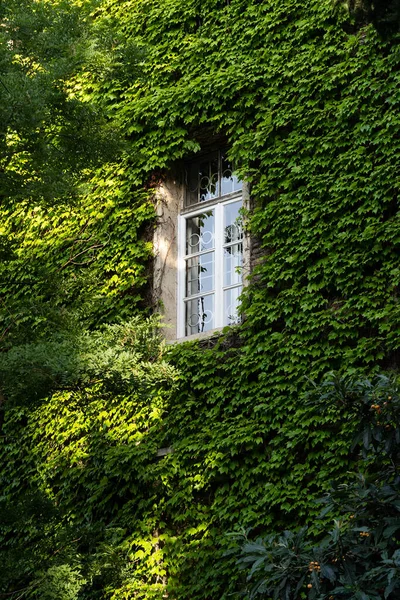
309	104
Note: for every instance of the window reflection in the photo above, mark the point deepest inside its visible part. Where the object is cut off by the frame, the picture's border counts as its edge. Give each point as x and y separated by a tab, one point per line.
231	304
200	233
200	274
200	314
210	178
233	230
233	262
229	181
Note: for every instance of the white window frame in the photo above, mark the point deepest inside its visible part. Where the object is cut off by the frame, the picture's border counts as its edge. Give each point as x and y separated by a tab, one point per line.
216	204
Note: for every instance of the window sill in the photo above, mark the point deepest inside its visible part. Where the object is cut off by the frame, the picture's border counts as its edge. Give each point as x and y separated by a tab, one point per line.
198	336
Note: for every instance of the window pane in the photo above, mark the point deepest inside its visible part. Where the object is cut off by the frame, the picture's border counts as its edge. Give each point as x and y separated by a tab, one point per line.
200	233
231	303
200	274
192	184
233	259
233	229
208	180
229	182
199	314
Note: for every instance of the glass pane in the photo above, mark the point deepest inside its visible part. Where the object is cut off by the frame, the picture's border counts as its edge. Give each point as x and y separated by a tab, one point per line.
208	180
192	184
233	260
200	274
200	233
231	302
229	182
233	229
199	314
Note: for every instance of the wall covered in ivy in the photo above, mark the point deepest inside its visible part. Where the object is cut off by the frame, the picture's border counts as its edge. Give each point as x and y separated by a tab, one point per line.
308	102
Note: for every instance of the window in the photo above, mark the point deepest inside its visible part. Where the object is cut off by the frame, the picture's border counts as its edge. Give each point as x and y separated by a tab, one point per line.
210	247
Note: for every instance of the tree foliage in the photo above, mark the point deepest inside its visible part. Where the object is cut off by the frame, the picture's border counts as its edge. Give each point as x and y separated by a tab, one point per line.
49	137
73	221
70	488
